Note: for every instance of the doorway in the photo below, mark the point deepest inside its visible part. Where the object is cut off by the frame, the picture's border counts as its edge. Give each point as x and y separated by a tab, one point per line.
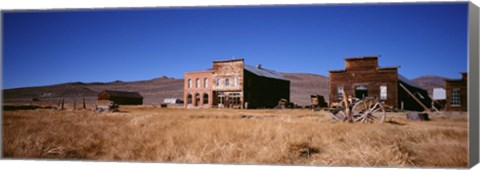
361	91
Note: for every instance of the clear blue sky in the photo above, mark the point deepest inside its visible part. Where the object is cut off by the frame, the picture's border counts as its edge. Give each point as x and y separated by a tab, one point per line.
51	47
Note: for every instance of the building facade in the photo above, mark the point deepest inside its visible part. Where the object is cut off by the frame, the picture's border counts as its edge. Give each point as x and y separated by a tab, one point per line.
363	77
232	84
198	89
456	94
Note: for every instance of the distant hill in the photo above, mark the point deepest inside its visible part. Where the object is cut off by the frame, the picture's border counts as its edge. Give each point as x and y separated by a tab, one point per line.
153	91
302	85
429	82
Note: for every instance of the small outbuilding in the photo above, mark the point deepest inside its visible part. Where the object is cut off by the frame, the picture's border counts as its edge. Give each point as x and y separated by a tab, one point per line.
318	101
121	97
172	101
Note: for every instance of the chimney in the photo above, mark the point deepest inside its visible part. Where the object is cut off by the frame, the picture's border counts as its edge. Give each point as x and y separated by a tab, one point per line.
259	66
464	75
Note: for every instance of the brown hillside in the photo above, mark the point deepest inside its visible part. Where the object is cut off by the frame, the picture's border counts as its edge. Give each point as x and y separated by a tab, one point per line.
302	85
429	82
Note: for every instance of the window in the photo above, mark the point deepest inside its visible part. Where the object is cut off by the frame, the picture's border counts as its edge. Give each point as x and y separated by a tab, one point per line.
197	83
189	83
383	92
205	82
339	92
455	97
227	81
217	83
235	81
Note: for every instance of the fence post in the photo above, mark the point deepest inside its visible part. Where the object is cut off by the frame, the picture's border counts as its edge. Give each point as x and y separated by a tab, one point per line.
74	104
84	106
62	104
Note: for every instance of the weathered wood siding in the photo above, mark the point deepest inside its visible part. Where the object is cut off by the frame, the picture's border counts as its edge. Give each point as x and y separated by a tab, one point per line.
230	69
119	99
365	72
263	92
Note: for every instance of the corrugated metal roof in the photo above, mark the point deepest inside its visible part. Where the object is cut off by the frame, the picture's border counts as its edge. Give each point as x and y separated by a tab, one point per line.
262	72
407	81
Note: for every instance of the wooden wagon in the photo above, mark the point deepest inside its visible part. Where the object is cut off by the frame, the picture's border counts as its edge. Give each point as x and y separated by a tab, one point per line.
366	110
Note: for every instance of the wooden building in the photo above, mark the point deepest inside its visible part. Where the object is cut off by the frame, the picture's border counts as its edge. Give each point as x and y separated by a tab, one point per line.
232	84
121	97
363	77
456	93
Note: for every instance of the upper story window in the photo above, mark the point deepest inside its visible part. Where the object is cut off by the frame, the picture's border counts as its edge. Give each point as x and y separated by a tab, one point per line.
227	81
340	92
205	82
189	83
383	92
455	101
197	83
235	81
217	83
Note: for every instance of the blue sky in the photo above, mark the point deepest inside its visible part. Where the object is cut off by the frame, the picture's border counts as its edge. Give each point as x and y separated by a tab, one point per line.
51	47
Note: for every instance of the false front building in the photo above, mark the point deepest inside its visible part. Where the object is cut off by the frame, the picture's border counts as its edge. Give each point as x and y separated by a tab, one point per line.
232	84
363	77
456	94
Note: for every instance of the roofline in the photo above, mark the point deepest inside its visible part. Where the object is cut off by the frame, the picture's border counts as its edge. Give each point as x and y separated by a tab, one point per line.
388	68
223	61
453	80
336	71
361	58
197	72
281	77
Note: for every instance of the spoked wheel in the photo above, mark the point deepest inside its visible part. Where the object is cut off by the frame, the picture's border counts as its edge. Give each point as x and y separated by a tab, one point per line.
339	116
368	111
338	112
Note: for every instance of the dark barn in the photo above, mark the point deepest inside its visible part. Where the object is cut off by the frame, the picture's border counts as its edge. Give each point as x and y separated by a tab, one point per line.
456	93
264	88
121	97
363	77
232	84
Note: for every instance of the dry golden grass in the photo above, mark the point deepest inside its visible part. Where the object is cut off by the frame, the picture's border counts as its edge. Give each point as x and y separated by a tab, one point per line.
301	137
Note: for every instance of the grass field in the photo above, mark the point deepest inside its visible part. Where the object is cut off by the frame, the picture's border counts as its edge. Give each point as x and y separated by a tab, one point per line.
300	137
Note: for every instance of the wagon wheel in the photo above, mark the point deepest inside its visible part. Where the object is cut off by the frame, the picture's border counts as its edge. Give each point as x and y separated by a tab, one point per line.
339	115
338	112
368	111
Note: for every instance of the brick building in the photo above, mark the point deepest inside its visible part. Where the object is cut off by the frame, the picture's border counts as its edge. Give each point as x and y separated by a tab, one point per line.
232	84
363	77
456	93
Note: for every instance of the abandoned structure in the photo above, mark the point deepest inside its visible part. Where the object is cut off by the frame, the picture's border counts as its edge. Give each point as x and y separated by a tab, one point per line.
363	77
232	84
172	101
317	101
456	94
121	97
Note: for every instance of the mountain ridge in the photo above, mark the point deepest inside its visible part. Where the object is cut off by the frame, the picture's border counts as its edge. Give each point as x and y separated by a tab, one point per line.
154	90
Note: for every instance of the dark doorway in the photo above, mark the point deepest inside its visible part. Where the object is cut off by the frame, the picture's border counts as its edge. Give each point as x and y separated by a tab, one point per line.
361	91
197	100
